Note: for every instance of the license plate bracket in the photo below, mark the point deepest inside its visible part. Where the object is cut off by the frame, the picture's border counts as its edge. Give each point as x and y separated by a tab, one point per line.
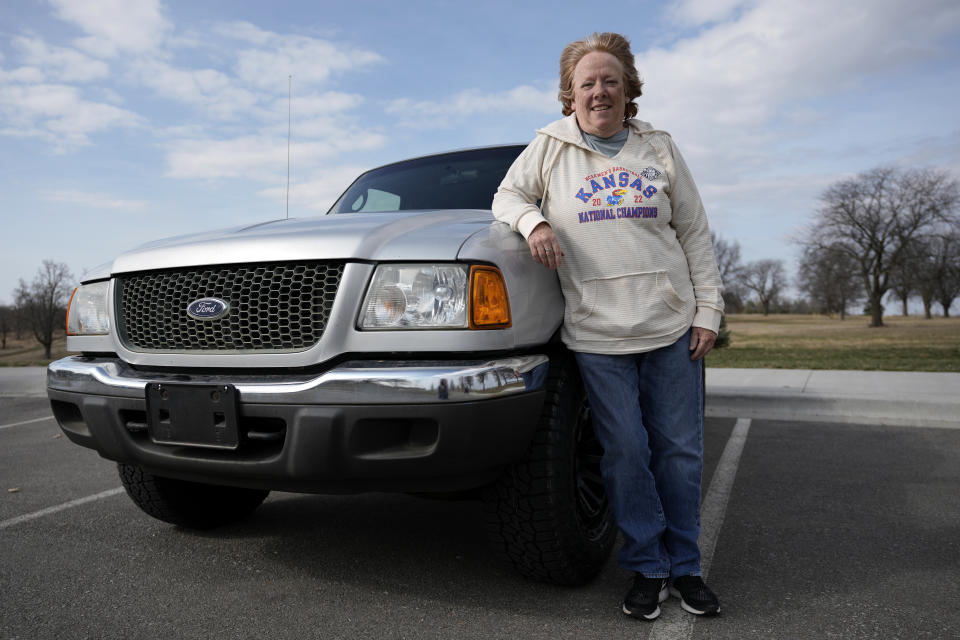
195	415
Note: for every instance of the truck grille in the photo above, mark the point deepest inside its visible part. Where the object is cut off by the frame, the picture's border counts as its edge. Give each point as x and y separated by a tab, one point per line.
273	307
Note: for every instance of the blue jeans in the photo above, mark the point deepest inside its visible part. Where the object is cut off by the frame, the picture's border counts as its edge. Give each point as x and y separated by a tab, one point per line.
647	411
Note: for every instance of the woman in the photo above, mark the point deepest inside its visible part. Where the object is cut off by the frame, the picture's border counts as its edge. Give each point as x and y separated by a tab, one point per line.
622	223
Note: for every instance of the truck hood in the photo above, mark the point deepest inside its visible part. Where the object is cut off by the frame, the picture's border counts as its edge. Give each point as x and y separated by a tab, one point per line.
387	236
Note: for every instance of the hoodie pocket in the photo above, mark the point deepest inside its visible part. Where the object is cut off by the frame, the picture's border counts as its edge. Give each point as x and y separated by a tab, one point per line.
635	305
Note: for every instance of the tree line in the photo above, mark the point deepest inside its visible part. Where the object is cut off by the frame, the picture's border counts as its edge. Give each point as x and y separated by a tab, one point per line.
886	230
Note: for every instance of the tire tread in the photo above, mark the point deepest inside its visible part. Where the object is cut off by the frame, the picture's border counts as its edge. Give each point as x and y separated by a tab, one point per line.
531	510
192	505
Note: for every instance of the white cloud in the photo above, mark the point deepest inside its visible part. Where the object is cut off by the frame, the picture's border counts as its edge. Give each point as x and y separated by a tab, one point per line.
319	104
244	31
114	26
729	85
698	12
92	200
322	115
62	64
259	76
110	95
249	156
275	56
456	108
210	89
755	96
323	127
237	96
58	114
319	191
21	75
257	157
180	131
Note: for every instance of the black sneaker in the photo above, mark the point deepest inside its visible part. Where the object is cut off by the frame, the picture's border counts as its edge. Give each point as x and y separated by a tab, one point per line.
695	596
644	598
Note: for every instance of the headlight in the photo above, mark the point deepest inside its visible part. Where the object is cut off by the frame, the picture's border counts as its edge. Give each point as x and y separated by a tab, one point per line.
436	296
88	313
416	296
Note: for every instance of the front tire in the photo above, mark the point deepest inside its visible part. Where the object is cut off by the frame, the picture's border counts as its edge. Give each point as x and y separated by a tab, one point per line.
548	514
193	505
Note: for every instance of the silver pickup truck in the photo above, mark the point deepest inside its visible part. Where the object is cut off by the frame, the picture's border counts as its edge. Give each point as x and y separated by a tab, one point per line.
404	341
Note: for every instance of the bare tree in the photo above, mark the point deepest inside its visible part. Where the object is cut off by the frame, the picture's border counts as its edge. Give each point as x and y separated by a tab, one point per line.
44	301
830	279
21	310
877	216
925	278
904	275
6	324
18	314
728	263
947	260
766	278
935	271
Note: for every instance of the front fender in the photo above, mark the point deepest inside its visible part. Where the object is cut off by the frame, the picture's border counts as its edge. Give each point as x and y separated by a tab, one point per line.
536	302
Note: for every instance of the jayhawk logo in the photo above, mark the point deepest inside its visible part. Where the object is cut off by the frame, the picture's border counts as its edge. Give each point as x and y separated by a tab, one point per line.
616	198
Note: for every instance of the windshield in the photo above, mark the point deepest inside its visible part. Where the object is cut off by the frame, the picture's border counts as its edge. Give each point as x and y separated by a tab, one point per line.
458	180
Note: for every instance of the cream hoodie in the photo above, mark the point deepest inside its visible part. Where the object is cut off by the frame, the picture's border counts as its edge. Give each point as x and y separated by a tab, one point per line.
638	267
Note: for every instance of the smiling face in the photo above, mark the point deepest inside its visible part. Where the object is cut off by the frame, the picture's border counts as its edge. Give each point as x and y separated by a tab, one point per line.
598	94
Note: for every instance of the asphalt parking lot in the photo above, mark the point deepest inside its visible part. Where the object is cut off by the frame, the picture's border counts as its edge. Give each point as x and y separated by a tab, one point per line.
811	530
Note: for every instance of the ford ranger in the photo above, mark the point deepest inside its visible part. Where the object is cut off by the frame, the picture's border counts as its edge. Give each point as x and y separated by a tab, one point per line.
405	341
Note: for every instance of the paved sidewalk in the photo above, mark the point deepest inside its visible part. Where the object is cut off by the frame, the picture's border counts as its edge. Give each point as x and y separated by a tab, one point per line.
907	398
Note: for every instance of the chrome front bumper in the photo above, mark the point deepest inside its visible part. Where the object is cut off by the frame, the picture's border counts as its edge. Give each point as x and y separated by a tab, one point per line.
360	426
355	382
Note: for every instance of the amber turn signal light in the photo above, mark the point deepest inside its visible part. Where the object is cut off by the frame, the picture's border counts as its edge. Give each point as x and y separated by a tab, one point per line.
69	305
489	305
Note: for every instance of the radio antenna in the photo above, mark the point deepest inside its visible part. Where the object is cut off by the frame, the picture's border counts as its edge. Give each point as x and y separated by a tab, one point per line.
289	120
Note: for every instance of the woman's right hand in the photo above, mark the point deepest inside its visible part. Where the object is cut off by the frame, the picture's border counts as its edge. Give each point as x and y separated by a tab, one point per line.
544	246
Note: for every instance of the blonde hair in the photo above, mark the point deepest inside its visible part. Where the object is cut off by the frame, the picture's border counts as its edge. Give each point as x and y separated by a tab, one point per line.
612	43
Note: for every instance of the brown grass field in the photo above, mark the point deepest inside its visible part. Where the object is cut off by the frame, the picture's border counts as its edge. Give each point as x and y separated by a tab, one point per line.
910	343
27	352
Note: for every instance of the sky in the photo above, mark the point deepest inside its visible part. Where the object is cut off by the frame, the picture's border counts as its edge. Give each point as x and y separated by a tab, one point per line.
124	121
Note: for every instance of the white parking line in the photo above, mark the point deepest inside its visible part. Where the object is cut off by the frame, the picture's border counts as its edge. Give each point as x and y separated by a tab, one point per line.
60	507
17	424
715	505
675	623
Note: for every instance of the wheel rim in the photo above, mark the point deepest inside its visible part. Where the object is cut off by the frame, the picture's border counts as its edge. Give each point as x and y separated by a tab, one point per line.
592	505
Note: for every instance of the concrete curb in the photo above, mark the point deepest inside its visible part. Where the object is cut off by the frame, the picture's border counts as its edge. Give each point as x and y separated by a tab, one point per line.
917	399
23	382
735	403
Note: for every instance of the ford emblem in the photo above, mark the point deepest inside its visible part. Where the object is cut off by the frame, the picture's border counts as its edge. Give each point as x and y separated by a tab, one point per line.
207	308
